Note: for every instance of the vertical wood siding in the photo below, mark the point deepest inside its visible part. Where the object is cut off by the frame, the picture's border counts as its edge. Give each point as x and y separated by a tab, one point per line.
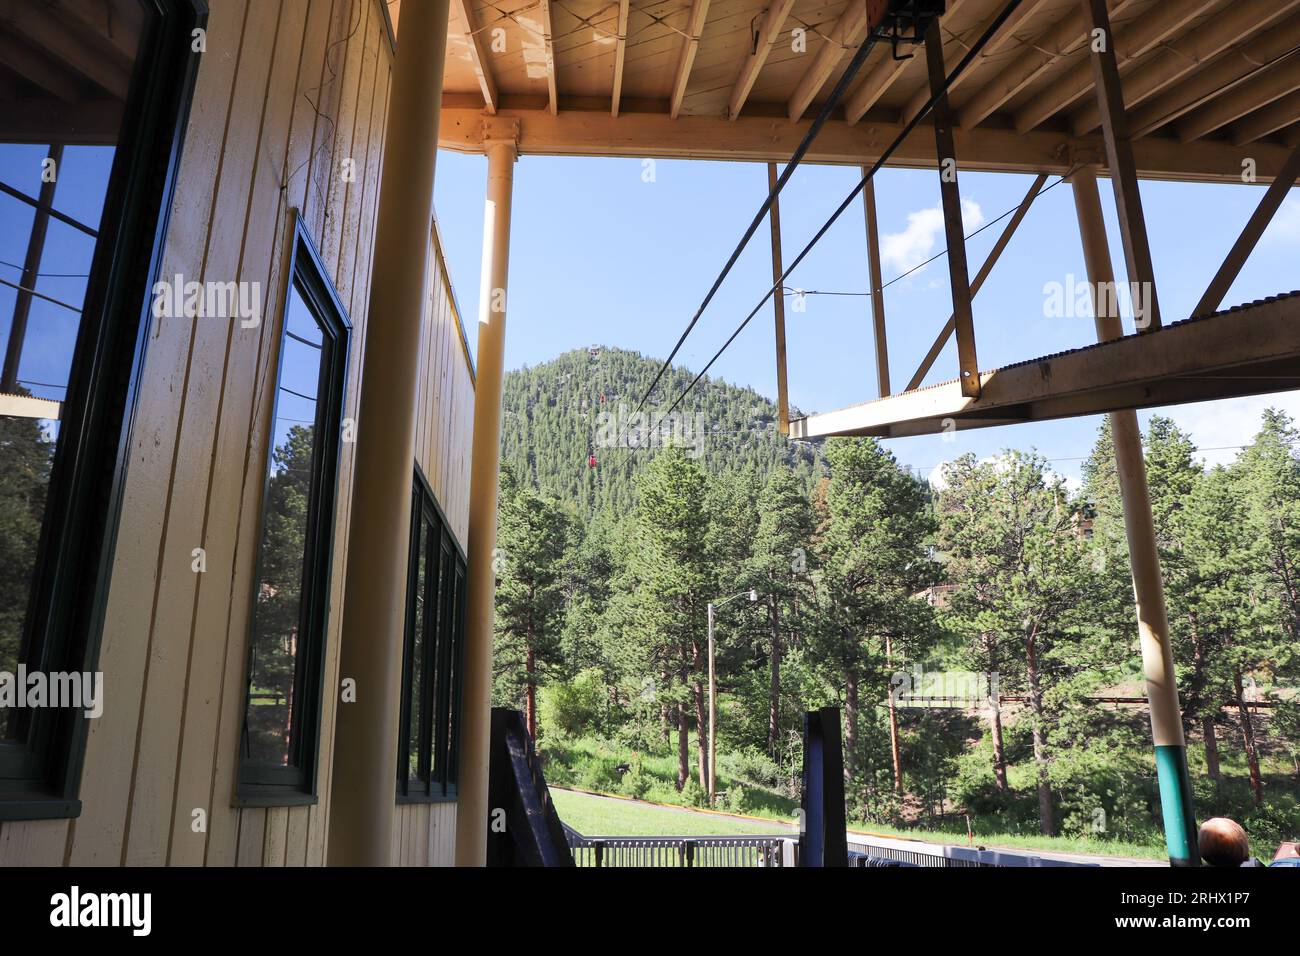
286	92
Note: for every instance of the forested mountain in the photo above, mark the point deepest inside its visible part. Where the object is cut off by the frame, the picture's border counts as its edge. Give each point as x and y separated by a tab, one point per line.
558	415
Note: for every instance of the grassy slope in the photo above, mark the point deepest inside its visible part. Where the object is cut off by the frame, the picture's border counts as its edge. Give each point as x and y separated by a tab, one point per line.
599	816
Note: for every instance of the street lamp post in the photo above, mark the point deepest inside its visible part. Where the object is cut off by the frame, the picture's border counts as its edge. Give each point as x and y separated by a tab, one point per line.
713	695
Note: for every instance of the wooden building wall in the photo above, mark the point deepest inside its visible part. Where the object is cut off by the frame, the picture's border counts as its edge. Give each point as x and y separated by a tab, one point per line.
286	92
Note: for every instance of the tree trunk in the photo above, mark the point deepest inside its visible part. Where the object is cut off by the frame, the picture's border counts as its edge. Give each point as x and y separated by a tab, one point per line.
1248	739
995	703
893	721
774	685
683	748
530	668
664	709
1211	747
999	752
702	735
850	730
1046	823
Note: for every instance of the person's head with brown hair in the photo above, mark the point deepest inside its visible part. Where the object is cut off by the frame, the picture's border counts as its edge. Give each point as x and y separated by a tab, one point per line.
1223	842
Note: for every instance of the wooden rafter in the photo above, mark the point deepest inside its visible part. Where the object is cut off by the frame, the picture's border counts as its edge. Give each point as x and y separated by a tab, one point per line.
1253	350
1234	67
620	54
71	47
686	59
990	261
878	81
1250	236
35	68
849	31
1004	36
548	47
478	53
1174	60
1123	167
768	31
1263	88
1277	115
879	331
585	128
950	201
1062	38
1138	39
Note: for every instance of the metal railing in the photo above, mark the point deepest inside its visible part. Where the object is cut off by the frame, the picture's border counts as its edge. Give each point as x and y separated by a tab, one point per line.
700	851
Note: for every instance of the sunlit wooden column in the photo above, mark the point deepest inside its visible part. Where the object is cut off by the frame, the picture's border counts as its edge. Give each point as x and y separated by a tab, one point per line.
1148	586
475	729
363	794
877	286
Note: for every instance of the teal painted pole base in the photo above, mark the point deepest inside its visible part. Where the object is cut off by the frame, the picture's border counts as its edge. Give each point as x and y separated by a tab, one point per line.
1176	805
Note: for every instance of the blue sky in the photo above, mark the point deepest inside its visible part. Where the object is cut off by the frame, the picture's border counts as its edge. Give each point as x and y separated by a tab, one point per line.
599	256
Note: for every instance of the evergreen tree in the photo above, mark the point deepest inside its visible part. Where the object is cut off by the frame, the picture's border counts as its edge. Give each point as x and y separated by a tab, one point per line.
532	536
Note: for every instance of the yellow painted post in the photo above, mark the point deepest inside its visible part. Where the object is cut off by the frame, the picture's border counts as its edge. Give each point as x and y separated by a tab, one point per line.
1148	585
472	810
364	794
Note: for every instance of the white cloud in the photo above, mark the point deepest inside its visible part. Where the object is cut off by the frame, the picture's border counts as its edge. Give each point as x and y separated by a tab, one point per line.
908	249
1285	227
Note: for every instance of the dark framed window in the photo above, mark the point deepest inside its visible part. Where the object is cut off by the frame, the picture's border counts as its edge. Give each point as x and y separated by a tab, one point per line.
427	762
90	137
280	742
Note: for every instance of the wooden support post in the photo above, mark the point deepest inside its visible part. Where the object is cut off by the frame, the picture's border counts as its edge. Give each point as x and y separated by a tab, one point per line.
362	800
994	254
778	305
1148	586
472	812
1250	235
958	271
30	274
1123	168
877	286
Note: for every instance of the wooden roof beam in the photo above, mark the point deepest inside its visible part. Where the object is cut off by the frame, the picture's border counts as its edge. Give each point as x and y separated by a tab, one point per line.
585	128
1004	36
1138	39
1223	74
35	68
849	31
1264	87
38	27
620	55
690	44
1168	65
768	31
548	48
870	90
478	53
1253	350
1062	38
1278	115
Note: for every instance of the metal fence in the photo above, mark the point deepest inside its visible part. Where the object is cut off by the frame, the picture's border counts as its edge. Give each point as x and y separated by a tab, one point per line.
783	851
711	851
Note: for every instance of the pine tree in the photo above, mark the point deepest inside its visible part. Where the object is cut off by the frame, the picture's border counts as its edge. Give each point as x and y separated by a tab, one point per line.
532	537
